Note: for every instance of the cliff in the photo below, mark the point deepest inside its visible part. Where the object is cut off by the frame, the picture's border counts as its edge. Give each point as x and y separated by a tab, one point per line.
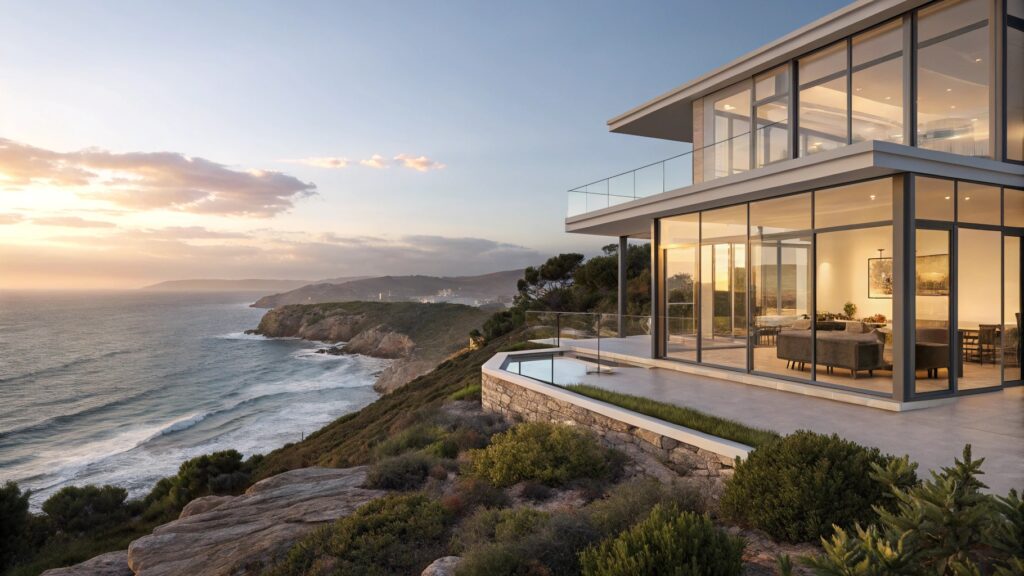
418	336
486	288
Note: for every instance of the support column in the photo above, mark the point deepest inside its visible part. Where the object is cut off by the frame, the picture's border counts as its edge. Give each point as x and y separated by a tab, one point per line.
623	257
903	272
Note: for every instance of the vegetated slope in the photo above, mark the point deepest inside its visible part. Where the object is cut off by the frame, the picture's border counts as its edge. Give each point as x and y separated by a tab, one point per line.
417	335
349	440
495	287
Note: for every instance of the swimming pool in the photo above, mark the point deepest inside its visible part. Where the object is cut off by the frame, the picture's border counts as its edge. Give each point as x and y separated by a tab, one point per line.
555	368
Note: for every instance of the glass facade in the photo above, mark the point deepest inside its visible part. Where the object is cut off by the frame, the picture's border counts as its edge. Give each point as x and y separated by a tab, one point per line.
805	287
823	102
877	80
727	131
771	113
954	77
1015	80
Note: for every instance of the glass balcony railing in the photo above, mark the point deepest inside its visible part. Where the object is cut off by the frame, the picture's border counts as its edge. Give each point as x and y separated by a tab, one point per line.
724	158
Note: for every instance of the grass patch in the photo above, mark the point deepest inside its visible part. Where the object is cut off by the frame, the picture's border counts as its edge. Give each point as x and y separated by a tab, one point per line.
688	417
471	392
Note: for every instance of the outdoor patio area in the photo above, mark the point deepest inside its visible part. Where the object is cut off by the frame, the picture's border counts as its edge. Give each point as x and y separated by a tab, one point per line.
992	423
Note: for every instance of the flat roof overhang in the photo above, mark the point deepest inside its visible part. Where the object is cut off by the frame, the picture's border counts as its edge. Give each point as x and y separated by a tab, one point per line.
861	161
669	116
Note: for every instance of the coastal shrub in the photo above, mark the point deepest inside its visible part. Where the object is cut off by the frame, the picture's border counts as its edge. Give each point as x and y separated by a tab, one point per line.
628	502
222	472
393	535
78	509
945	525
548	453
687	542
14	523
405	472
469	393
492	525
535	491
526	542
415	437
470	493
797	488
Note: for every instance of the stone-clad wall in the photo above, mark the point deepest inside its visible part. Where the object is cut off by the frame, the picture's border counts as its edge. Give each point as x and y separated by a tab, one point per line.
520	403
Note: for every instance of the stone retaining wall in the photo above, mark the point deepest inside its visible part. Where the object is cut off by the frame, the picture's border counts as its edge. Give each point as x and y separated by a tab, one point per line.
517	402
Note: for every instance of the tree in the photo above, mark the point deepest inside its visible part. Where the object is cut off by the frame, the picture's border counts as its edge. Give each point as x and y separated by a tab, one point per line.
14	521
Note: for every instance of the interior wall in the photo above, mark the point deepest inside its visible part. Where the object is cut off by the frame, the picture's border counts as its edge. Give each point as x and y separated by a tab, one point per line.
843	270
978	273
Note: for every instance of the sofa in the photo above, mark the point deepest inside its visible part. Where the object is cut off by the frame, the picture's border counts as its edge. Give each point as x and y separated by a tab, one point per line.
931	350
852	348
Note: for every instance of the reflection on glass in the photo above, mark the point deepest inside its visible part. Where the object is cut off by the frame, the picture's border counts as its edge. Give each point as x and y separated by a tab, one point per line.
726	130
679	238
723	287
1013	207
854	310
780	270
953	77
979	321
878	84
932	336
1015	91
771	112
822	111
859	203
1011	309
977	203
934	198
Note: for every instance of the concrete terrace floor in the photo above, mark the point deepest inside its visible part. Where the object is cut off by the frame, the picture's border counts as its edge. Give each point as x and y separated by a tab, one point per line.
992	423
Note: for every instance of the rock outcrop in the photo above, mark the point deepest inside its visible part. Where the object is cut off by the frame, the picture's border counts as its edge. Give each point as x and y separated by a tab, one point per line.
442	566
109	564
241	534
416	336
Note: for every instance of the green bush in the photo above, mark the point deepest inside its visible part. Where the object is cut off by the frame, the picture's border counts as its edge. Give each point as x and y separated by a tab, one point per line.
527	542
405	472
79	509
14	522
469	494
491	525
548	453
627	503
393	535
667	541
945	525
471	392
222	472
797	488
415	437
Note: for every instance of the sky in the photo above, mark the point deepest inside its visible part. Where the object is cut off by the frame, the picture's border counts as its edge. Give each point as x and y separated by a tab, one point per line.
149	141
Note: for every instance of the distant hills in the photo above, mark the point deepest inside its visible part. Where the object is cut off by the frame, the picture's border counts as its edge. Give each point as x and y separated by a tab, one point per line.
472	290
248	285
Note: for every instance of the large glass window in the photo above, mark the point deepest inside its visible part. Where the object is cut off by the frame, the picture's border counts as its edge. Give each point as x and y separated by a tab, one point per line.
932	345
853	342
1011	309
780	268
723	287
727	131
859	203
953	77
878	84
771	112
934	198
680	236
979	298
823	106
1015	82
1013	207
977	203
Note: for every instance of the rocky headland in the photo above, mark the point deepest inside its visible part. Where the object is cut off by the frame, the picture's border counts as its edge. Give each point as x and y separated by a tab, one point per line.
416	336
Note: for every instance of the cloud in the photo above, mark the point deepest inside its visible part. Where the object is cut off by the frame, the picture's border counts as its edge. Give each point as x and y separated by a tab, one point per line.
153	180
72	222
188	233
11	218
418	163
375	161
323	162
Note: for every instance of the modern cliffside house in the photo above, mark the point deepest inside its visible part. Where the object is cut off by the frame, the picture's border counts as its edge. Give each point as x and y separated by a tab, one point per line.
852	211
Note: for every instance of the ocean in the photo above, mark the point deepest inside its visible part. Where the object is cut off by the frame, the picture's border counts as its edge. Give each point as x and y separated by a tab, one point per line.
121	387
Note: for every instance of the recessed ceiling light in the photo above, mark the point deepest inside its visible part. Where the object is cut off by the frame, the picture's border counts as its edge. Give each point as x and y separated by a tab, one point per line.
888	97
967	198
729	107
947	197
977	59
949	89
872	196
952	107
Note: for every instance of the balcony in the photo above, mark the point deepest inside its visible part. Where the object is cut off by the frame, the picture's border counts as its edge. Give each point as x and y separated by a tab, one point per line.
731	156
